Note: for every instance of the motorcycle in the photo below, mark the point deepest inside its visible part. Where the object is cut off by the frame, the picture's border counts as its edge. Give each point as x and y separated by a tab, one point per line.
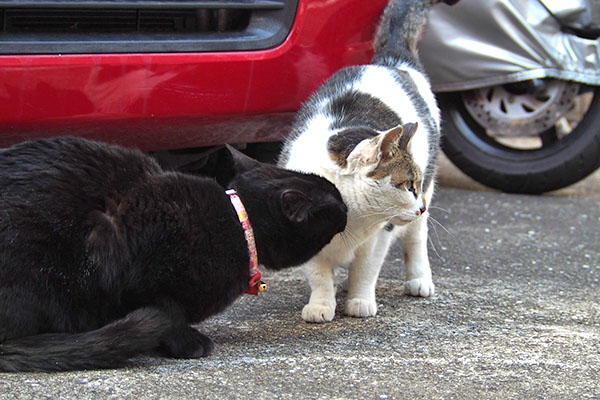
518	84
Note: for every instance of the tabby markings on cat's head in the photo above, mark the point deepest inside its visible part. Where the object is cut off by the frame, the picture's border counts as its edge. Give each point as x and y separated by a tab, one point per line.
382	159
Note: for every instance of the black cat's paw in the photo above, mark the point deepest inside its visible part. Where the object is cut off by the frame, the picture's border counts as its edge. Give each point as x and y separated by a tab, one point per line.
187	343
204	346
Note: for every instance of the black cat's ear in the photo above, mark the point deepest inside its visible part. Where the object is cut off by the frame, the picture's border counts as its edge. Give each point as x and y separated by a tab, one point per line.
295	205
224	170
241	161
230	163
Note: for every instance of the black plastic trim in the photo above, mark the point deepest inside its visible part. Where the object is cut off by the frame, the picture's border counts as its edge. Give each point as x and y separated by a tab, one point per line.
269	23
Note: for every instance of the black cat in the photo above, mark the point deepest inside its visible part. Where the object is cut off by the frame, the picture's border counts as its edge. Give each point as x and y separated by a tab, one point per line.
104	255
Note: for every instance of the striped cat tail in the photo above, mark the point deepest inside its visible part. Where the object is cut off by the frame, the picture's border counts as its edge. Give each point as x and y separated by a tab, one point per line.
398	31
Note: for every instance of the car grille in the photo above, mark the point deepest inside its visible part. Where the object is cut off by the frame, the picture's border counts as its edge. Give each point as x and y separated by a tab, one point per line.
107	20
107	26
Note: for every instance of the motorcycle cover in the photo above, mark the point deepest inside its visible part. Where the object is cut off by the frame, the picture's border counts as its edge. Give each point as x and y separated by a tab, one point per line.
479	43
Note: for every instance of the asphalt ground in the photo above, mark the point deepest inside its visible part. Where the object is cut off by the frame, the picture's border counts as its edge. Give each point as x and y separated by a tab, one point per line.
516	315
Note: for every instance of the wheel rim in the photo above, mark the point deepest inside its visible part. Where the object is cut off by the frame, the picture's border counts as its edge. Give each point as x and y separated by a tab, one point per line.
556	164
504	121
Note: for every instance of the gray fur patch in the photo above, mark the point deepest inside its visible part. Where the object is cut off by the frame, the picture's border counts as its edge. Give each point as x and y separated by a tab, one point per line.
398	32
333	87
355	109
344	142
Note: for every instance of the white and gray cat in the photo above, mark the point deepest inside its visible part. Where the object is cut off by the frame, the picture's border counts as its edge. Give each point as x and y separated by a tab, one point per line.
374	131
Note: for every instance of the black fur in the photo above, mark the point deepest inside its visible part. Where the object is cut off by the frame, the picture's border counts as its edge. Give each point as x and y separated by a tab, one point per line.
104	256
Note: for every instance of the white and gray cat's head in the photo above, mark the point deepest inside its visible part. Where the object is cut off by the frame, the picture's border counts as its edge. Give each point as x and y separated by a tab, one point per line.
377	173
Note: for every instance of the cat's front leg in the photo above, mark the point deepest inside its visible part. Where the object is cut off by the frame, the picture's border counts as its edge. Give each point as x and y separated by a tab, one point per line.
363	274
182	341
320	276
418	272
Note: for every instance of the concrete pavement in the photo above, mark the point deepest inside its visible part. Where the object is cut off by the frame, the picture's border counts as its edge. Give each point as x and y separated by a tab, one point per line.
516	315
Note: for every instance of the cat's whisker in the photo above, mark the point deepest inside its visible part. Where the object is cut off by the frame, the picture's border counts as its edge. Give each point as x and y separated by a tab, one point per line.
437	236
430	240
440	225
433	207
453	236
348	239
376	222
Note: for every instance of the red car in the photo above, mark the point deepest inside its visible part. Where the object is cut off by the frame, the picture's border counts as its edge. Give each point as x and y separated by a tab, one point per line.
171	74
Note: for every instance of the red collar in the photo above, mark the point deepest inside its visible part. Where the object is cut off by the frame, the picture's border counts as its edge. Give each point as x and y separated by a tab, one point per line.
255	285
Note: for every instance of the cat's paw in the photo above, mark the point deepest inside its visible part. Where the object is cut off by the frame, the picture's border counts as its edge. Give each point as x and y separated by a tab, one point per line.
361	308
318	313
422	287
204	346
187	343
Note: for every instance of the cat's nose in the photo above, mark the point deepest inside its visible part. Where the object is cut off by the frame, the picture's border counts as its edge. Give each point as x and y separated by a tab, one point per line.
422	206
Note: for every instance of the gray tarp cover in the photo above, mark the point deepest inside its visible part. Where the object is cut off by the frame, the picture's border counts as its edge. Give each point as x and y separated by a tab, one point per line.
478	43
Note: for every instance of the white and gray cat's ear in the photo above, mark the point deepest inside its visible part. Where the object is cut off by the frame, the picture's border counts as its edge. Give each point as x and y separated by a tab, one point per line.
397	138
369	152
364	154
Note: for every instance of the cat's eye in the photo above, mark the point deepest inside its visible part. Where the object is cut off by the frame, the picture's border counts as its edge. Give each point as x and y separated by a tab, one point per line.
412	188
407	185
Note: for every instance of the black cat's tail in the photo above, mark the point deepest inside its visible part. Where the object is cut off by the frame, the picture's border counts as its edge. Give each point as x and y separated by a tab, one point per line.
399	29
107	347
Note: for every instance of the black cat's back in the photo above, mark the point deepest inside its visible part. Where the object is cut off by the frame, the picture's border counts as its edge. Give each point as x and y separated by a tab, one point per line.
71	166
41	239
71	222
51	188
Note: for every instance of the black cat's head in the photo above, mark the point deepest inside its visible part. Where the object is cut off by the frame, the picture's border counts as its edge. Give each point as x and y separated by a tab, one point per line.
293	215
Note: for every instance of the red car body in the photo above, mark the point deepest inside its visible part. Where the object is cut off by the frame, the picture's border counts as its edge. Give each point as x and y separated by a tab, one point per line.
187	99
